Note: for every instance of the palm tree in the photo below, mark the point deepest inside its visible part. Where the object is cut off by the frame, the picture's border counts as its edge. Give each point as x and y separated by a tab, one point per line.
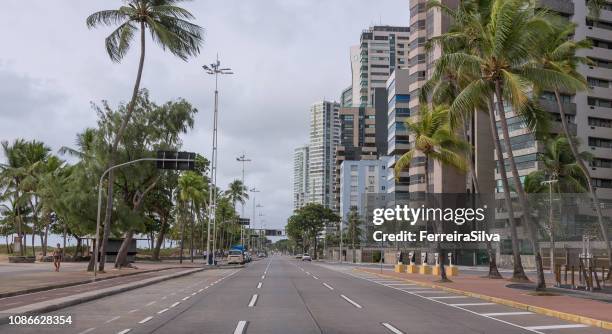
354	229
170	28
237	192
434	140
191	192
558	53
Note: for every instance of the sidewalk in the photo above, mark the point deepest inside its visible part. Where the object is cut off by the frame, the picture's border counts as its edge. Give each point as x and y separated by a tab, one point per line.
24	278
581	310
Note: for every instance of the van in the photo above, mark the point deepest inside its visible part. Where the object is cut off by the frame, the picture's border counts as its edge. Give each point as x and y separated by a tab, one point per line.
235	256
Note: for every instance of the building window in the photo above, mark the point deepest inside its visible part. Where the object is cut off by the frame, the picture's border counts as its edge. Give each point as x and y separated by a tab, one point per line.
353	168
601	163
595	82
601	122
602	183
600	142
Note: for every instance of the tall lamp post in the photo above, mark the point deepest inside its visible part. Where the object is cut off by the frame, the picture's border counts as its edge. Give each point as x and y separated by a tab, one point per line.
242	159
254	191
214	69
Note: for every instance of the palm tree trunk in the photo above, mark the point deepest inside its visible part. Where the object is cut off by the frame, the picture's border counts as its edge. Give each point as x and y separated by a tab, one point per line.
182	240
518	273
191	238
541	283
602	226
113	150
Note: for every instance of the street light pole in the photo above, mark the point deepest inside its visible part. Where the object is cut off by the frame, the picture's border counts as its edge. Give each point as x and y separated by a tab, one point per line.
213	69
254	191
242	159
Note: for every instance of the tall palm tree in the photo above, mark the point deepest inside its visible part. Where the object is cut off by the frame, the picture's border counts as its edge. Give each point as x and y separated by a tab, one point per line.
558	53
12	173
435	141
191	192
503	38
170	28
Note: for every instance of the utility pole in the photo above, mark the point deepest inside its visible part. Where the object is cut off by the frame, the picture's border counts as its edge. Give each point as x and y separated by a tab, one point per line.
214	69
242	159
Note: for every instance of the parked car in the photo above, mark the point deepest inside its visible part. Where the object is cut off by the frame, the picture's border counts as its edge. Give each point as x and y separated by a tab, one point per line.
299	256
306	257
235	257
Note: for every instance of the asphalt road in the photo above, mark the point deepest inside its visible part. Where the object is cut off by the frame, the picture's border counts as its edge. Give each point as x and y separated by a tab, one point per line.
283	295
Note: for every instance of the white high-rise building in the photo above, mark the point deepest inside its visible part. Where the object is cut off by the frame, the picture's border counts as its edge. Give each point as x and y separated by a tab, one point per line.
300	177
324	138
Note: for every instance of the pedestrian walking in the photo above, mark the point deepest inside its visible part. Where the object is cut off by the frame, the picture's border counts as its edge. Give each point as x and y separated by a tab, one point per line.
57	257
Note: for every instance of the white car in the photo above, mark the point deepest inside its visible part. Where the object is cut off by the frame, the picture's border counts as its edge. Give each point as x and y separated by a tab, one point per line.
306	257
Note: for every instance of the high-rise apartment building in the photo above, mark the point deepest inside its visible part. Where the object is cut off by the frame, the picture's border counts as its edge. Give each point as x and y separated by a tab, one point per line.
382	49
324	138
300	177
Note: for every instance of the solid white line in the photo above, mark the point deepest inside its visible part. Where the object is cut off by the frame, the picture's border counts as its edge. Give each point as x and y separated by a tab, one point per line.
328	286
398	284
174	305
186	297
162	311
87	330
253	301
505	313
350	301
410	289
151	303
240	327
427	291
145	320
315	277
392	329
125	331
259	285
471	304
134	310
556	327
448	297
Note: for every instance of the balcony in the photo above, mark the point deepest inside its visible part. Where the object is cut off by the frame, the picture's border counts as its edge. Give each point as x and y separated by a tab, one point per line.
560	6
551	107
557	128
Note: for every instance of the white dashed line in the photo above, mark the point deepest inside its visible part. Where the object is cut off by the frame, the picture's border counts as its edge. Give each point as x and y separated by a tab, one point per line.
164	297
195	293
200	290
162	311
134	310
186	297
151	303
174	305
350	301
536	328
145	320
315	277
391	328
87	330
328	286
307	273
259	285
471	304
253	301
263	277
125	331
240	327
112	319
505	313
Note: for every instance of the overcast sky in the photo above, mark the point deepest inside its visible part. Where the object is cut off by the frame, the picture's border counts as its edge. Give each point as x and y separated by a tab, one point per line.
287	54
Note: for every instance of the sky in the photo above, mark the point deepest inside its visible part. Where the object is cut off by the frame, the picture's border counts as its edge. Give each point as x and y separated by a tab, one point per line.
286	55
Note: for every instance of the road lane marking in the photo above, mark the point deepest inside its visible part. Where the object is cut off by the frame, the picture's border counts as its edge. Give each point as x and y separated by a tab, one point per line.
328	286
112	319
350	301
253	301
200	290
87	330
307	273
471	304
315	277
259	285
164	297
505	313
151	303
536	328
125	331
391	328
448	297
263	277
240	327
162	311
145	320
174	305
195	293
400	284
134	310
428	291
186	297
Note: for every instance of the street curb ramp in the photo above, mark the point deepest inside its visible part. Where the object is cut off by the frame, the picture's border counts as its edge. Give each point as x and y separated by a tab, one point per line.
535	309
59	303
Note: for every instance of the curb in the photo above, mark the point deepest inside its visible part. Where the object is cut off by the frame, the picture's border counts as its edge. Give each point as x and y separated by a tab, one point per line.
535	309
52	305
68	284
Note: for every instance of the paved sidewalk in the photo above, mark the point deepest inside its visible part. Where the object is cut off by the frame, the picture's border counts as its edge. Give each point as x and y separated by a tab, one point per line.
31	277
586	311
